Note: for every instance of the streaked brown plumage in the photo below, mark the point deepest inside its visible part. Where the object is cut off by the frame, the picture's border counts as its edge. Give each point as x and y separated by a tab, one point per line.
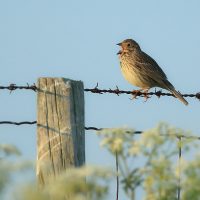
141	70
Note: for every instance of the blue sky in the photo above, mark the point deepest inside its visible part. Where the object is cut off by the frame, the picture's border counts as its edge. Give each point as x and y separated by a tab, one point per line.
77	40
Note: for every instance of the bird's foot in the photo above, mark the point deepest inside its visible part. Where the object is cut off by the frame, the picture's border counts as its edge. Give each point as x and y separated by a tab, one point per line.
146	96
135	93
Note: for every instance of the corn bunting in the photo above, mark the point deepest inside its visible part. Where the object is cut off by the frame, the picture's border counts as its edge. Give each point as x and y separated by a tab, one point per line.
141	70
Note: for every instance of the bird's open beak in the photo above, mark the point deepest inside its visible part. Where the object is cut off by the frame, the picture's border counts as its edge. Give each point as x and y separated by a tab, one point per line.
120	44
119	52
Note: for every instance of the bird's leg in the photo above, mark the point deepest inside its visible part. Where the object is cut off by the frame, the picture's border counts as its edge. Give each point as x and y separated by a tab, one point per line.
135	93
146	97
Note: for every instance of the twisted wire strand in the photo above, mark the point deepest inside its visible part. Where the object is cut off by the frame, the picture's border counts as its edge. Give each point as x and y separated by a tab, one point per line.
96	90
92	128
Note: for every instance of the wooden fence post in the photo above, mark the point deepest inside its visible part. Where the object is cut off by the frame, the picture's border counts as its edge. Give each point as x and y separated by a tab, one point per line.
60	126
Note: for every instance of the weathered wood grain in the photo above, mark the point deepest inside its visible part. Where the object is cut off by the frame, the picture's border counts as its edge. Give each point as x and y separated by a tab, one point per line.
60	126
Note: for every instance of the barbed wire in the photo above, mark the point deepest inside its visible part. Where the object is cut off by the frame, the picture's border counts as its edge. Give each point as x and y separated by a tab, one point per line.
13	87
136	93
92	128
96	90
117	91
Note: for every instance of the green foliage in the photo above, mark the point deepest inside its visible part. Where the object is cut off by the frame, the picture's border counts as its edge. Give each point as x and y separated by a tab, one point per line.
156	151
8	167
150	160
191	179
8	150
4	176
71	184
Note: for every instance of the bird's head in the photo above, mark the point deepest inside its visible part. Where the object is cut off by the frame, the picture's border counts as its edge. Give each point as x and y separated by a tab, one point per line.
128	45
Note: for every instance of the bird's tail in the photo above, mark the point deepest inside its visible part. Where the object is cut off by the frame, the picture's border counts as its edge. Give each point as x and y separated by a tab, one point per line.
177	94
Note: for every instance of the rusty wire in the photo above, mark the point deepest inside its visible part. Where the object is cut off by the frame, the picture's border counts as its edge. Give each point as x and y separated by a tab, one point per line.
13	87
96	90
136	93
116	91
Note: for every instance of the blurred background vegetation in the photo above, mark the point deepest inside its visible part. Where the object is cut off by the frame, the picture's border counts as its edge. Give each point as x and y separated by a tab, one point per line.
150	161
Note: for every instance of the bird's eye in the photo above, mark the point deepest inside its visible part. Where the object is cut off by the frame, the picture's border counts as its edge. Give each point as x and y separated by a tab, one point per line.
128	44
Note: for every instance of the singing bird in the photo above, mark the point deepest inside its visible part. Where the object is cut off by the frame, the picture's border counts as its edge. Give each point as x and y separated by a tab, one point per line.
139	69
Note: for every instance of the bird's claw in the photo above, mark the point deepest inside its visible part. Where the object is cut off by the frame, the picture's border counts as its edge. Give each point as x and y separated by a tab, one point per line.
146	97
135	93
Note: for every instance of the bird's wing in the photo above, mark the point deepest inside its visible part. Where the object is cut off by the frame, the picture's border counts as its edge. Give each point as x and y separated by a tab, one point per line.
150	67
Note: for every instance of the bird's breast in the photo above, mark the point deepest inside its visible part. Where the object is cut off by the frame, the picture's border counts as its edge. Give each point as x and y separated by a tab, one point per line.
132	72
130	75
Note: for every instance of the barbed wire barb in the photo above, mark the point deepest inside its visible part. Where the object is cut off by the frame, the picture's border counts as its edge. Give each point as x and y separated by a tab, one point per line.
13	87
96	90
136	93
